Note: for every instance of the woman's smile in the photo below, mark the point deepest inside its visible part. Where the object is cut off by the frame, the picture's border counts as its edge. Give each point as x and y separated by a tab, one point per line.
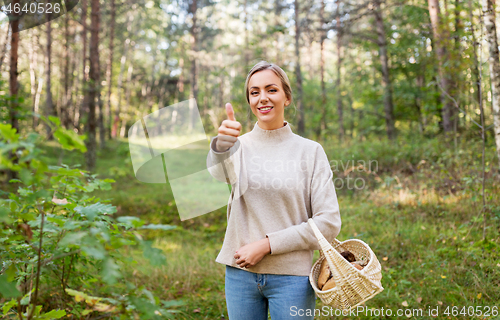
265	109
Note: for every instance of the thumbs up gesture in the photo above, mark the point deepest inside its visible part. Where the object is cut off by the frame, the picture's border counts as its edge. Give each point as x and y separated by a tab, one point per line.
228	131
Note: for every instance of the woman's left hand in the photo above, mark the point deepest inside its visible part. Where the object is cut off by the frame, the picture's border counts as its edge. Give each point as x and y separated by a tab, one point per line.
249	255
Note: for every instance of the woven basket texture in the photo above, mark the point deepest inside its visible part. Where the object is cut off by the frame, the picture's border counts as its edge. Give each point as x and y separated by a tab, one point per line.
352	286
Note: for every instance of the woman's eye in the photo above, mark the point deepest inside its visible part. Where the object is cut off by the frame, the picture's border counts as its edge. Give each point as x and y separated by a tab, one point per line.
273	90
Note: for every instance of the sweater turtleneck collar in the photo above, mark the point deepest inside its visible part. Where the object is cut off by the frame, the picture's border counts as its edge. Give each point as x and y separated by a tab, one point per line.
272	136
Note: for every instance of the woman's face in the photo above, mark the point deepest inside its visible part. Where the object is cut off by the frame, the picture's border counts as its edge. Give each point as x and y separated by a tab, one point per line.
266	90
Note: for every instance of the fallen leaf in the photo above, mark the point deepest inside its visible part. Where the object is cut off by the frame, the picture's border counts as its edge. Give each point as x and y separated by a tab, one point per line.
59	201
479	296
423	228
197	310
102	307
385	258
405	304
419	299
444	277
440	303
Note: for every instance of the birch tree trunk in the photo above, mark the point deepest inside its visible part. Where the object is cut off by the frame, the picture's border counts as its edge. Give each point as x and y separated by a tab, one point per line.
491	36
65	105
442	55
298	75
124	59
109	70
33	57
324	105
4	49
340	107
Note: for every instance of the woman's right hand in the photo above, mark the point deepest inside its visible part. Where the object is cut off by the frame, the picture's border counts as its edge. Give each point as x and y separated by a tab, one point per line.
229	131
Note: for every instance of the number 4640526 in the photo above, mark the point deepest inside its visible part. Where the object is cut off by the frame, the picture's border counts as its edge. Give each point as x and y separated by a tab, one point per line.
32	8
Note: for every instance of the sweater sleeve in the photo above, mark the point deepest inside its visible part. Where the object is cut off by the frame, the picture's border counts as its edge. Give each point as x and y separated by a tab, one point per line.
324	210
221	165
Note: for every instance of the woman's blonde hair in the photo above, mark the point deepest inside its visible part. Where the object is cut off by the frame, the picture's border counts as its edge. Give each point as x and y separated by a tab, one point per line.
264	65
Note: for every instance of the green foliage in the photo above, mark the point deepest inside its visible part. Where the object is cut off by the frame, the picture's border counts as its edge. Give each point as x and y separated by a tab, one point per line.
55	234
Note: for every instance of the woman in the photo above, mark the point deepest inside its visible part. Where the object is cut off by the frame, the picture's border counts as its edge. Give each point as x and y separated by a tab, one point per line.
279	180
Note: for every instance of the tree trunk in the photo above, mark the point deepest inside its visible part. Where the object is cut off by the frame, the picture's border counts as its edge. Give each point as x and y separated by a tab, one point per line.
194	47
85	77
384	60
127	104
4	49
102	129
123	61
180	81
65	105
194	67
340	108
13	83
109	71
324	104
33	57
277	23
491	35
90	156
298	75
440	47
49	104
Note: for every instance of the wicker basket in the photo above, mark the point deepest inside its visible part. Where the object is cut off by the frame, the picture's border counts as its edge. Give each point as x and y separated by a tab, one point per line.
352	286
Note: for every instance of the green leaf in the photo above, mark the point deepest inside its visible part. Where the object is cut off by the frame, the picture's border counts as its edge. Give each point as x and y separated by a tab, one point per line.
55	120
110	271
130	222
8	133
4	214
8	289
72	238
93	210
70	140
54	314
98	252
9	305
154	255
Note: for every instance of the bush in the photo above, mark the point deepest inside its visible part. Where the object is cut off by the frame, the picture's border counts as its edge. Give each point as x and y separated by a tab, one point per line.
61	249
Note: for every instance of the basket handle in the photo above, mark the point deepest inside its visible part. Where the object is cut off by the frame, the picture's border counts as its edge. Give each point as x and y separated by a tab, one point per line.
323	243
324	247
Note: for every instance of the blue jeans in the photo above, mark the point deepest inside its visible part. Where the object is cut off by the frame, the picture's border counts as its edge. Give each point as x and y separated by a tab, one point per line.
250	295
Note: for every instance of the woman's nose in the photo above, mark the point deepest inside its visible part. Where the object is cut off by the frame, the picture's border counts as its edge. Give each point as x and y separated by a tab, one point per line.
263	97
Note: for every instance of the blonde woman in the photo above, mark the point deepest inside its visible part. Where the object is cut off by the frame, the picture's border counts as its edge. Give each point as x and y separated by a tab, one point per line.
279	180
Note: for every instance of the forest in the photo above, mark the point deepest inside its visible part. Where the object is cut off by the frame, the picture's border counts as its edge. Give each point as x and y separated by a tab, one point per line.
404	97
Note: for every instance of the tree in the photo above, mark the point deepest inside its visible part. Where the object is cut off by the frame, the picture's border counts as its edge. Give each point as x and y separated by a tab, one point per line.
94	87
13	82
382	43
491	36
298	74
439	44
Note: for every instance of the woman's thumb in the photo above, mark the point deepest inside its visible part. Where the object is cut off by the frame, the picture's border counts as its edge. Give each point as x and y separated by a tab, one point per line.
230	112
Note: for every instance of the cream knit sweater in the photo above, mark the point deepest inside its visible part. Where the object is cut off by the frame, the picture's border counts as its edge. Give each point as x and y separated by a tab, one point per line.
279	180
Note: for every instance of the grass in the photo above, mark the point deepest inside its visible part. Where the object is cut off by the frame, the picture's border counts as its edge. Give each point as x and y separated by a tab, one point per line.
419	212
